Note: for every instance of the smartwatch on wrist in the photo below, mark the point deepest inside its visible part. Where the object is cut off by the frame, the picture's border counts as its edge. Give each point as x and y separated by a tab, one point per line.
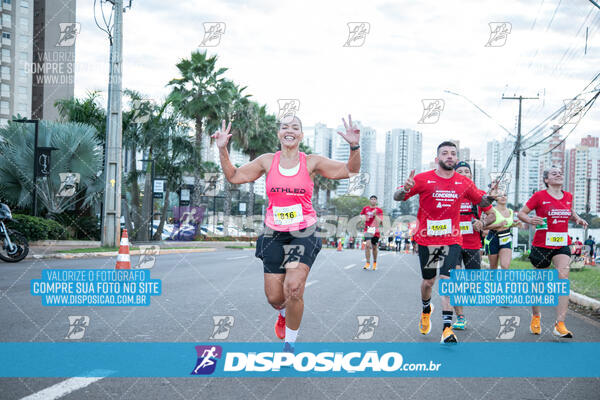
355	147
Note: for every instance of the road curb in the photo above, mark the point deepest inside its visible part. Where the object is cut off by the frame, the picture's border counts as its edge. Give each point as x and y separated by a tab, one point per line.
577	298
68	256
584	301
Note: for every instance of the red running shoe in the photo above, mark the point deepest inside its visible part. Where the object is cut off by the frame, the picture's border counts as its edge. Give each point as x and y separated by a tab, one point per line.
280	327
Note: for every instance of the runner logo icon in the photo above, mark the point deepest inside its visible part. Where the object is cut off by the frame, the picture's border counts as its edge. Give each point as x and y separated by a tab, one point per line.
508	326
207	359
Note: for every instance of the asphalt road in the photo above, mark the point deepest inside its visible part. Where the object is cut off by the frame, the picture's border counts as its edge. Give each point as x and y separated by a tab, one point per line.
198	286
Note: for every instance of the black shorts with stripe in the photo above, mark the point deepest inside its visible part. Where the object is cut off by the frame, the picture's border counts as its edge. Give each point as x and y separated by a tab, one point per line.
283	250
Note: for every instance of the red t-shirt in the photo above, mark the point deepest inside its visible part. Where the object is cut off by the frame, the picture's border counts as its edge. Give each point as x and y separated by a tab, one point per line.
370	221
471	237
557	213
440	199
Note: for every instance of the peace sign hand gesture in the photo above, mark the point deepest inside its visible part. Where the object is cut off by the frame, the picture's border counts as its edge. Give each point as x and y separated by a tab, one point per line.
410	181
352	135
222	135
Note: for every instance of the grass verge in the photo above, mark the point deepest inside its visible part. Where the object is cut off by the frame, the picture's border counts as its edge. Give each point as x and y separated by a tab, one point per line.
585	281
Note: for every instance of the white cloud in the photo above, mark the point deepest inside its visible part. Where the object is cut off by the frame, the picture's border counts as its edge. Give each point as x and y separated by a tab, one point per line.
413	51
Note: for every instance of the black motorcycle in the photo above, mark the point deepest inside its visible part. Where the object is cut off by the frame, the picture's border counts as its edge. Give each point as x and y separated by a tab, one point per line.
14	243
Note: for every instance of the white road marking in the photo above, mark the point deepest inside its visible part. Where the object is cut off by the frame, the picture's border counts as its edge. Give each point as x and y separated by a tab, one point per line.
237	258
349	266
310	283
65	387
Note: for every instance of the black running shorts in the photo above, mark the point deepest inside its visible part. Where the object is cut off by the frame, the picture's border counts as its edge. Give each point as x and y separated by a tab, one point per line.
541	257
446	256
373	239
276	249
471	258
495	238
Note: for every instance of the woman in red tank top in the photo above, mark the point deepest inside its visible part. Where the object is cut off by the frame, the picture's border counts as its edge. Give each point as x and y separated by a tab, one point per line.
554	209
290	243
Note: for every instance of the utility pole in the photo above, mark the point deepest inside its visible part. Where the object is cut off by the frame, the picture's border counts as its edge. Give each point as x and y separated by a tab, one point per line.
111	212
517	151
587	202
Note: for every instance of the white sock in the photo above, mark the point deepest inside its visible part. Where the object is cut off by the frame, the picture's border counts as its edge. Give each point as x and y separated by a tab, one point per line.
290	335
282	312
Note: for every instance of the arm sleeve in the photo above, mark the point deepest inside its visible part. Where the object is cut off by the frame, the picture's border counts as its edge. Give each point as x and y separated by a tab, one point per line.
415	189
363	212
532	203
475	195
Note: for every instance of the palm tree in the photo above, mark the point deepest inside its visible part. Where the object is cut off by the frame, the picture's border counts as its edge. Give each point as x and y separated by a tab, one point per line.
173	152
200	94
78	150
86	110
255	134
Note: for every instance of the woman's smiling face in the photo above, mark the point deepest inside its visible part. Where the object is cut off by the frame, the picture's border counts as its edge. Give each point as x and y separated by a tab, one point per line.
290	132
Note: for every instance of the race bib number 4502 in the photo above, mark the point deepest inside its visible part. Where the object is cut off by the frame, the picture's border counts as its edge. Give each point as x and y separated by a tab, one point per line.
439	228
288	215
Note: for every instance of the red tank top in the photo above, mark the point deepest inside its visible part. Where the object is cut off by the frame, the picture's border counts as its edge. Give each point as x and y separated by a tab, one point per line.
290	198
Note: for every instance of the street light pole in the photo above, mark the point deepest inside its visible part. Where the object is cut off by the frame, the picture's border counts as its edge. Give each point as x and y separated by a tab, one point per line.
111	211
517	151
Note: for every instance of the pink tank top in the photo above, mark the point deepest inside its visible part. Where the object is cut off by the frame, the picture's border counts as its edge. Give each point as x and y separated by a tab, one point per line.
290	198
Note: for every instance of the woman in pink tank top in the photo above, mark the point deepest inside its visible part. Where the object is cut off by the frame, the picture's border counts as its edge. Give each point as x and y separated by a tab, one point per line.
291	242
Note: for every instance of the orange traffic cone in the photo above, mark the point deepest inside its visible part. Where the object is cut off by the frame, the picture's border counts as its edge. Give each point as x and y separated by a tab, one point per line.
123	261
339	248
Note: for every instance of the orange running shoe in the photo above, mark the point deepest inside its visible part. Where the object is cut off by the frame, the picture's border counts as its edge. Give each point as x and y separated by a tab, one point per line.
536	325
561	330
448	336
280	327
367	265
425	323
374	266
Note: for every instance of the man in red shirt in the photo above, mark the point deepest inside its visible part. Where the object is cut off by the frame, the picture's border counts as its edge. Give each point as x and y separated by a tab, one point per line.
372	216
441	192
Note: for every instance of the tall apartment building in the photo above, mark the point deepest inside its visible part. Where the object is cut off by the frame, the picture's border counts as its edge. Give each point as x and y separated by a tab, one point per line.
55	33
16	18
403	153
582	174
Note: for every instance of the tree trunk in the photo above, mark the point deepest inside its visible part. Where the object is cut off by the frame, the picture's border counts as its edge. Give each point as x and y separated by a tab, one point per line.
125	211
197	192
250	207
135	213
251	197
163	215
146	216
226	207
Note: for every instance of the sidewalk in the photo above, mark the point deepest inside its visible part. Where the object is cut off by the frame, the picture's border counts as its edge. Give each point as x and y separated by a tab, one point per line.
51	249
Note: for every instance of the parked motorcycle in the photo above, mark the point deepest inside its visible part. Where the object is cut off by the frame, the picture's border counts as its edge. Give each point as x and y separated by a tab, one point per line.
14	243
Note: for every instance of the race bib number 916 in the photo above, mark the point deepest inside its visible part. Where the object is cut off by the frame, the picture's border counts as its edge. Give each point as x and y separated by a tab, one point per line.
288	215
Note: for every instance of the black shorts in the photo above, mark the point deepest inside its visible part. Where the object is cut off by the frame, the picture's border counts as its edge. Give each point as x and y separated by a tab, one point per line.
494	246
541	257
471	258
373	239
276	249
450	260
